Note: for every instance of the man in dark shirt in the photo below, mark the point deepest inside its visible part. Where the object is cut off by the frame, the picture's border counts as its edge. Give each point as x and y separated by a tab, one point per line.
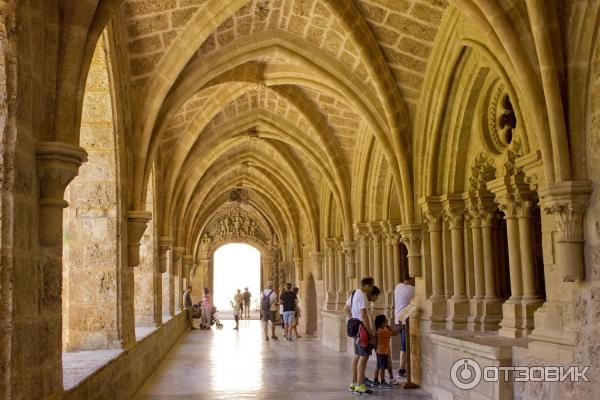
247	296
187	302
289	300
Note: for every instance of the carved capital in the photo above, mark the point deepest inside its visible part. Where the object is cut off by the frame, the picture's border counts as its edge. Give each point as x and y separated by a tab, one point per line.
187	261
568	201
57	165
177	257
164	245
454	213
137	222
349	249
411	235
375	233
510	194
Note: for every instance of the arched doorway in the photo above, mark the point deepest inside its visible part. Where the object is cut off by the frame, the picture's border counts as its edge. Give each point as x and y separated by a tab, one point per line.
311	306
236	266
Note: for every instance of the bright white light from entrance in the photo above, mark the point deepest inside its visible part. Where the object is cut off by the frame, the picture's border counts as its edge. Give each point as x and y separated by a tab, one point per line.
236	266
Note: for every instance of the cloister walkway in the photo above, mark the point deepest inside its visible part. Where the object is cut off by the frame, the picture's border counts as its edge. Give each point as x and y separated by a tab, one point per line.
229	364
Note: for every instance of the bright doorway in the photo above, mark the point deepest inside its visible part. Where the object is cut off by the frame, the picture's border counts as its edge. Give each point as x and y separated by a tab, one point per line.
236	266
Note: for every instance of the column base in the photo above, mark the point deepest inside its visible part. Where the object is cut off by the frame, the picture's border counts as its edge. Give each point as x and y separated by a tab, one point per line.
330	301
486	314
517	317
434	313
551	339
458	311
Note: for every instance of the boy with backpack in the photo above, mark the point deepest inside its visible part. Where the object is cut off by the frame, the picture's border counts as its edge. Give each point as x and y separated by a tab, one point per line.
268	307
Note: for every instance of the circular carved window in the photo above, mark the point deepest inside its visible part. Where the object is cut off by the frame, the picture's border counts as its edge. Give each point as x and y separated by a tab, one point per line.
500	119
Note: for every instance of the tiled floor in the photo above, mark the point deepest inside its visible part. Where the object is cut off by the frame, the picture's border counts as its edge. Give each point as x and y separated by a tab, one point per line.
229	364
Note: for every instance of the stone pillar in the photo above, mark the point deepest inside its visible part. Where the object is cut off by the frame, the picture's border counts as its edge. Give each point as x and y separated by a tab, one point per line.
298	268
362	234
340	275
377	267
349	249
492	312
57	165
317	259
513	195
396	261
187	262
178	277
393	275
331	295
566	202
164	246
436	303
137	222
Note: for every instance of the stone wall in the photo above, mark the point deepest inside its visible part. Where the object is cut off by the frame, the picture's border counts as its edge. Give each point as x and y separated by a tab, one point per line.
123	376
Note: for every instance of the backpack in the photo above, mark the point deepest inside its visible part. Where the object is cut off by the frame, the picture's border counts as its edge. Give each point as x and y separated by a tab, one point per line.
353	325
265	302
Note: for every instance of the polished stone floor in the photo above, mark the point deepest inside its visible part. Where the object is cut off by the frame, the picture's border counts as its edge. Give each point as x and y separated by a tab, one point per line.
229	364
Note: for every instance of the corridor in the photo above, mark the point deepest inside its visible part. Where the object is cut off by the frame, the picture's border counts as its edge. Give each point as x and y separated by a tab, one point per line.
229	364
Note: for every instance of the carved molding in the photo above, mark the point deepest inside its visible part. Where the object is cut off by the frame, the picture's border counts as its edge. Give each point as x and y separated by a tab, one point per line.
349	249
57	165
411	236
137	222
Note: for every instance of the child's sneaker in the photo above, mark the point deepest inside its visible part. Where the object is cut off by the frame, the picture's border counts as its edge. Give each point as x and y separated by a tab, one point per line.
385	385
401	373
375	383
368	383
393	381
362	389
352	387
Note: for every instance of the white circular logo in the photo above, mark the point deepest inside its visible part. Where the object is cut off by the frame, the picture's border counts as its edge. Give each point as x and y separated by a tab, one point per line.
465	374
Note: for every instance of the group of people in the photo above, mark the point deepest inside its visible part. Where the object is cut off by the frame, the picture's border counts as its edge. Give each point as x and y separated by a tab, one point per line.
205	310
288	303
374	333
241	306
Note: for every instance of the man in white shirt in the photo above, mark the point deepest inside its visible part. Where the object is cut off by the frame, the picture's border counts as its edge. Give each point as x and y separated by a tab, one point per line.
403	295
357	307
268	313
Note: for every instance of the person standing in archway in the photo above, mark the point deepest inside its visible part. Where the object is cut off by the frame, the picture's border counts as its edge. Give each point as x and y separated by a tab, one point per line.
297	314
238	301
247	297
188	304
403	294
268	308
289	302
207	306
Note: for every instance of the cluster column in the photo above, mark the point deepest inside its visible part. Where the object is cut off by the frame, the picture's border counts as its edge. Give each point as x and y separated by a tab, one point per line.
330	261
178	277
458	304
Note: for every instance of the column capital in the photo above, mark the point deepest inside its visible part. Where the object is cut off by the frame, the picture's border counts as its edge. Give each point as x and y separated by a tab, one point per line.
568	201
454	211
375	232
57	164
137	222
411	235
510	194
349	249
433	212
317	259
331	244
164	244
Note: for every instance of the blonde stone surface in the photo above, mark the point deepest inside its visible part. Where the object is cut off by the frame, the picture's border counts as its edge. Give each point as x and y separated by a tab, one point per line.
454	141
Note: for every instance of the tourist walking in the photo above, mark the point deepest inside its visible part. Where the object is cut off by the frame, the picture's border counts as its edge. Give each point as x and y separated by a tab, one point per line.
356	309
282	290
297	313
247	297
289	302
403	295
268	307
238	301
189	306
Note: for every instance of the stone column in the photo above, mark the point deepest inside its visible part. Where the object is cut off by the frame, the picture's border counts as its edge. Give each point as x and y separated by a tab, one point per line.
458	304
349	249
377	267
436	303
512	195
526	250
492	313
187	263
567	203
317	259
57	166
331	295
164	246
362	234
396	258
391	241
340	275
178	277
298	268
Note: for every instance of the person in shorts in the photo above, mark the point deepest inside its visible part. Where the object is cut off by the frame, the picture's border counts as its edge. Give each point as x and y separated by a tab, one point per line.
384	333
356	307
288	301
269	298
404	292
